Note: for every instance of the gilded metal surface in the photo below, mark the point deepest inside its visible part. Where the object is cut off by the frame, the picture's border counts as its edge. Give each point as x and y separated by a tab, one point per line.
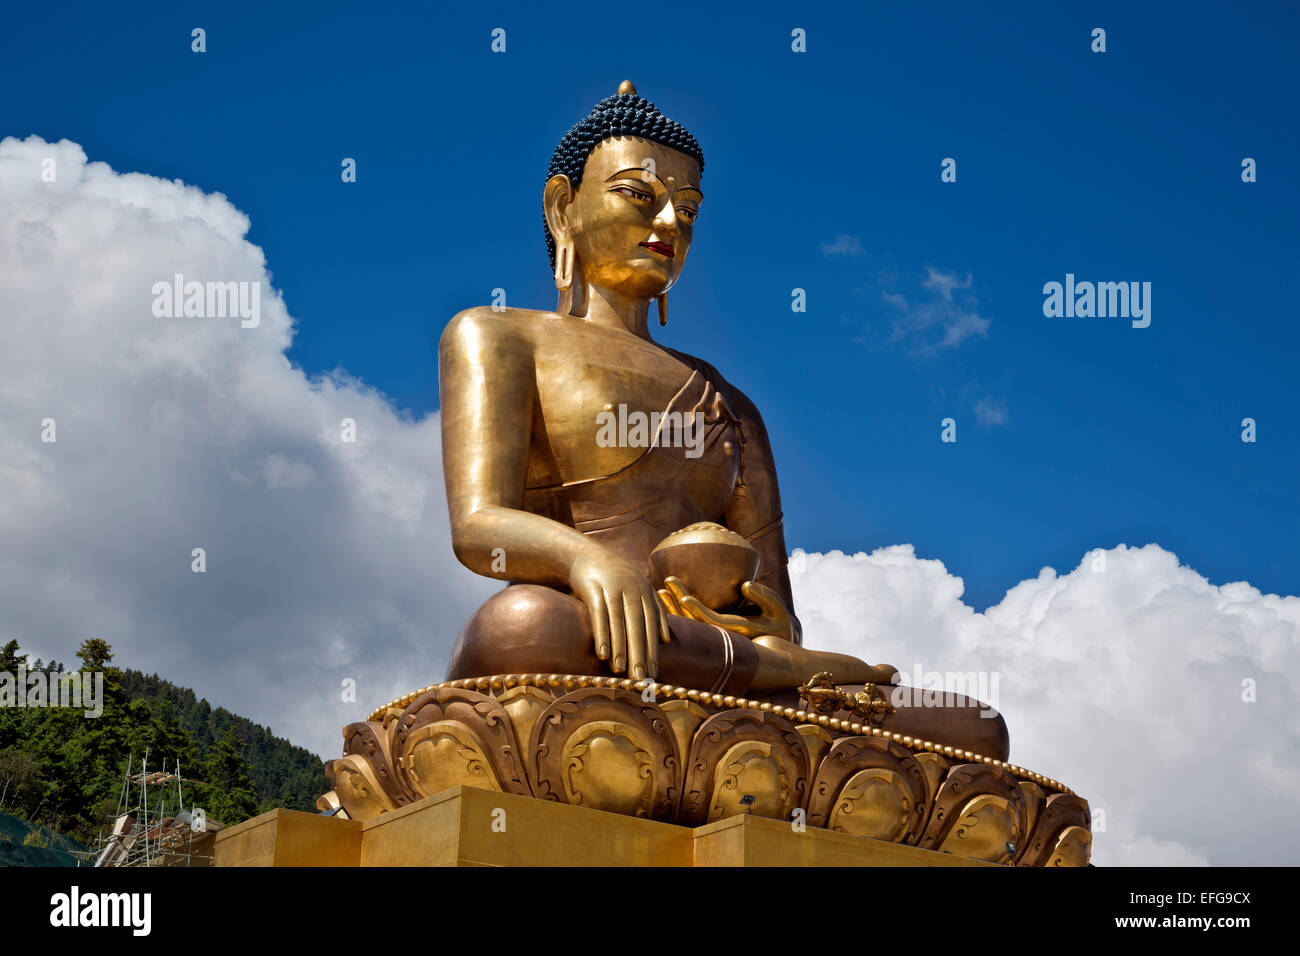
329	803
606	749
871	787
520	423
979	812
874	803
642	558
825	697
871	705
449	830
451	736
769	763
560	683
752	770
607	765
822	694
525	703
987	827
1034	800
684	717
818	740
935	769
615	744
1061	814
370	741
356	788
709	562
444	754
1073	848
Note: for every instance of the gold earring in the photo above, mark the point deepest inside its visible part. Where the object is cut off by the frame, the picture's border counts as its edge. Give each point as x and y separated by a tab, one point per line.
663	308
564	265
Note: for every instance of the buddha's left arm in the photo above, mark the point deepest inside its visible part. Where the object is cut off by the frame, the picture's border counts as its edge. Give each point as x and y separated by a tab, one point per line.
754	510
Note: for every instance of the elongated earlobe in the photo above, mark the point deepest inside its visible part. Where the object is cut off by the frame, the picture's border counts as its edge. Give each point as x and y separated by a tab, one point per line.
572	300
564	265
663	308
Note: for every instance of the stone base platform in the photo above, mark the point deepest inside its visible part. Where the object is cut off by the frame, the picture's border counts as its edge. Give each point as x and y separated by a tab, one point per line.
468	826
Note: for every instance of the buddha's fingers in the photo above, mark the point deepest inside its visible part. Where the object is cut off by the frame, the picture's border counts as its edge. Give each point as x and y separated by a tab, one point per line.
696	611
768	601
675	587
699	611
665	634
617	631
687	604
669	604
650	608
634	615
599	622
692	607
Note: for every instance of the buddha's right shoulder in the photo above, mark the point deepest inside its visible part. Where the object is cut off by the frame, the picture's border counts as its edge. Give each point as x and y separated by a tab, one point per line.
484	323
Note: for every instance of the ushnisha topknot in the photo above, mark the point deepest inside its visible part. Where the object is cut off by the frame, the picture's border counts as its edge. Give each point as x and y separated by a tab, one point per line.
623	114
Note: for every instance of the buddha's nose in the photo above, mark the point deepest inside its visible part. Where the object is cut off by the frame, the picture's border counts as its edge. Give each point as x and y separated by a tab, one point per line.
665	221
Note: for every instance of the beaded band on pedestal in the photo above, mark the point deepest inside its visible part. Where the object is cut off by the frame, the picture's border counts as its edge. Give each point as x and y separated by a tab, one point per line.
570	682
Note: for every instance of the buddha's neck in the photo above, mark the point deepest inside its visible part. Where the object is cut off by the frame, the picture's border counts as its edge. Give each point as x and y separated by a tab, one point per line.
617	311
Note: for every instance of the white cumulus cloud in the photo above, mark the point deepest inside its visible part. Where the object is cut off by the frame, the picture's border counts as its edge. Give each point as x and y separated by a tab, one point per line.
1130	678
325	560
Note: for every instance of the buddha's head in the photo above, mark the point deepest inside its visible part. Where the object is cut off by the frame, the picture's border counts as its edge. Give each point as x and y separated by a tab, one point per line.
622	194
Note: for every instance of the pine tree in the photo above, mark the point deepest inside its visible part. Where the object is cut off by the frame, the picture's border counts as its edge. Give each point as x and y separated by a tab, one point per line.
95	653
230	793
10	659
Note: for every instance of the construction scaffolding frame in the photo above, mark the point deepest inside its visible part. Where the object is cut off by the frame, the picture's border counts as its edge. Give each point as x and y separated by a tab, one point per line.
152	825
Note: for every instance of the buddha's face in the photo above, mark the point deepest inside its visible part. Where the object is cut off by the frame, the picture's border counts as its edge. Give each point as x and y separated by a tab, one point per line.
631	219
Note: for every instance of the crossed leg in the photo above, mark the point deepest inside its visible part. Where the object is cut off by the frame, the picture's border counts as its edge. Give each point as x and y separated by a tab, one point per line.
532	629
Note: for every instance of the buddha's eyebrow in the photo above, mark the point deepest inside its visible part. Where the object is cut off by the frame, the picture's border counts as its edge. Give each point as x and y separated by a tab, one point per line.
635	169
642	169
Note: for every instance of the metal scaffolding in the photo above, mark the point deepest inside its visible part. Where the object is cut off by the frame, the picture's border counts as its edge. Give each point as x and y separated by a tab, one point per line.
153	826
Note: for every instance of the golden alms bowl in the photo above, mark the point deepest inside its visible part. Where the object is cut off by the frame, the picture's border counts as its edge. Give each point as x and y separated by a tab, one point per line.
710	560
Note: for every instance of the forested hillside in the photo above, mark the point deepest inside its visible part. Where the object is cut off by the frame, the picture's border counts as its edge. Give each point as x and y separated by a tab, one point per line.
64	770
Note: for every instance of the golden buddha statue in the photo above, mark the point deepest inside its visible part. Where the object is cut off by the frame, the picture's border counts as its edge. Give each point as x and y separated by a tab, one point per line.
575	447
644	658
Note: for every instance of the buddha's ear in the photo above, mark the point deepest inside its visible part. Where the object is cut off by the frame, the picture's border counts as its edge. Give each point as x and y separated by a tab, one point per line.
555	201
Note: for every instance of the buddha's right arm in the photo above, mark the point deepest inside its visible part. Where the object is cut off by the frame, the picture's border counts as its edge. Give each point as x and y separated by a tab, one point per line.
487	391
514	545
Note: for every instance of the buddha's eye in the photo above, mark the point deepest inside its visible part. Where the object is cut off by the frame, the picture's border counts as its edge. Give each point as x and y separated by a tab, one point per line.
687	213
633	193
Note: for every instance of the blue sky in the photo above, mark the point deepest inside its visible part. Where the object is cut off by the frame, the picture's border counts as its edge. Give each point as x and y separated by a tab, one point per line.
1122	166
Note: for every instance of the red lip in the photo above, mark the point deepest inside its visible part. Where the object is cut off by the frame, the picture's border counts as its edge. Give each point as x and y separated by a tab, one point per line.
663	248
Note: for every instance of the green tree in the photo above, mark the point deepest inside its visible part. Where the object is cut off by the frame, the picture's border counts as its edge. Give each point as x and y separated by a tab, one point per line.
230	794
10	659
95	654
20	778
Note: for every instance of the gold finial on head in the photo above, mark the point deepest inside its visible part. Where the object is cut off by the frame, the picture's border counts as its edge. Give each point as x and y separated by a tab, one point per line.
626	87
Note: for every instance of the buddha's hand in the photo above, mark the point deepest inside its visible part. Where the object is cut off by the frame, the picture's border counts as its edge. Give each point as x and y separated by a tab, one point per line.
772	620
627	621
